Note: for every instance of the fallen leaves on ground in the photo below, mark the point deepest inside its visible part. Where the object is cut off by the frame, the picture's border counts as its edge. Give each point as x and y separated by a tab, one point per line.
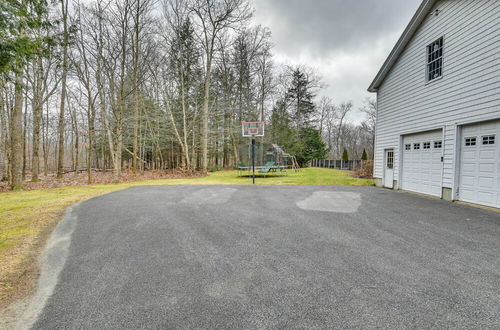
99	177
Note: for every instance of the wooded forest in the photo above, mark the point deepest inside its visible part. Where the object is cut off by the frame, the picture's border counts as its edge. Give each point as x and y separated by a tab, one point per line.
136	85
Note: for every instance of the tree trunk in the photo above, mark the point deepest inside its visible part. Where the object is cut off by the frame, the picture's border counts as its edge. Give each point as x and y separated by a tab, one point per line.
184	122
76	145
117	168
16	131
206	105
60	154
4	145
90	140
135	144
25	134
46	145
37	118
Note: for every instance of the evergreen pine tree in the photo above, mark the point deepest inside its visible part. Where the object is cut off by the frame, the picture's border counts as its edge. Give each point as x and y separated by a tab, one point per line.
345	155
300	97
364	156
306	145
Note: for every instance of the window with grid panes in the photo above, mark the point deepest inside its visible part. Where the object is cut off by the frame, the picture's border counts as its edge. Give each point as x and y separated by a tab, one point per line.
435	60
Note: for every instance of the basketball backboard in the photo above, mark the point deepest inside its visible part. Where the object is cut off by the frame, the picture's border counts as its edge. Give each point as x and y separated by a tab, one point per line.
252	129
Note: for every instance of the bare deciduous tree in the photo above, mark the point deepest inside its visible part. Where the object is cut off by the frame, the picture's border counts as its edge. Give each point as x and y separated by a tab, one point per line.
64	76
214	18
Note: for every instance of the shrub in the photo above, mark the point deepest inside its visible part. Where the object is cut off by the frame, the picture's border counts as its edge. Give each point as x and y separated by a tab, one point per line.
364	171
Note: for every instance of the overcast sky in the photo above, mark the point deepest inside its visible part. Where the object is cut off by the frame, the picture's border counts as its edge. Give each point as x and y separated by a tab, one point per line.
346	41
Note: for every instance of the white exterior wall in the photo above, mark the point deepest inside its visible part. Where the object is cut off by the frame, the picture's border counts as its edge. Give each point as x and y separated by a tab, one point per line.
468	91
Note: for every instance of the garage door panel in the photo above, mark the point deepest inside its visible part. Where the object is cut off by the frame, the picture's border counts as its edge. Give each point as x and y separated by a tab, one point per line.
486	167
469	154
468	180
487	197
467	194
487	154
486	182
479	177
470	129
469	168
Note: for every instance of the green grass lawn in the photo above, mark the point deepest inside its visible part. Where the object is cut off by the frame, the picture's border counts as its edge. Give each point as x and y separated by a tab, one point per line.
307	176
28	217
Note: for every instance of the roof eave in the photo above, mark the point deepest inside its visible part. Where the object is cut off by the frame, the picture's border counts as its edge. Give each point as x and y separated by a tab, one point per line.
405	38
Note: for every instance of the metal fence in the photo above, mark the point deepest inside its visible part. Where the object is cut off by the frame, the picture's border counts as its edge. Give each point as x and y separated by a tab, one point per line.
348	165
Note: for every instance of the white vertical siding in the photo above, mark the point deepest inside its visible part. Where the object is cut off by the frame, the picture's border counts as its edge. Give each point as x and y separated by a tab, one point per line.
468	90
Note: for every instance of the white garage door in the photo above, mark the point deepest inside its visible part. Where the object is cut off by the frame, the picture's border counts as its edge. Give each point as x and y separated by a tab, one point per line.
422	166
480	164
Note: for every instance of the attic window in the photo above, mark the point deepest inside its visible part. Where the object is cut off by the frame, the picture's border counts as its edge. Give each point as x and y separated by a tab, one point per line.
435	60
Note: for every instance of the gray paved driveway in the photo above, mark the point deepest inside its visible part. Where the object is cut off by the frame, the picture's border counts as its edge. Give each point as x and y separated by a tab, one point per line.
197	257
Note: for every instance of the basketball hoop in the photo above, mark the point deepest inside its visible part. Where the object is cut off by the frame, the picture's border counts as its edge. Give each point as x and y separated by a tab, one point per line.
252	129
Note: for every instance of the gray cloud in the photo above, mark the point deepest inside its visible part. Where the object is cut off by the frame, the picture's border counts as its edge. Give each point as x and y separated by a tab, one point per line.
345	40
333	25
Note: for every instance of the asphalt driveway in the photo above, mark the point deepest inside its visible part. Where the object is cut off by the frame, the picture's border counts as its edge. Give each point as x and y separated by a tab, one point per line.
201	257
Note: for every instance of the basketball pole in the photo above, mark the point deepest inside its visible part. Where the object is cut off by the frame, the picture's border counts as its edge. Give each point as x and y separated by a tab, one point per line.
252	129
253	159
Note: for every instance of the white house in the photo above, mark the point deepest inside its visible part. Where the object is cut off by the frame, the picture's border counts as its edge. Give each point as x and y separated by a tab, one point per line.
438	94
